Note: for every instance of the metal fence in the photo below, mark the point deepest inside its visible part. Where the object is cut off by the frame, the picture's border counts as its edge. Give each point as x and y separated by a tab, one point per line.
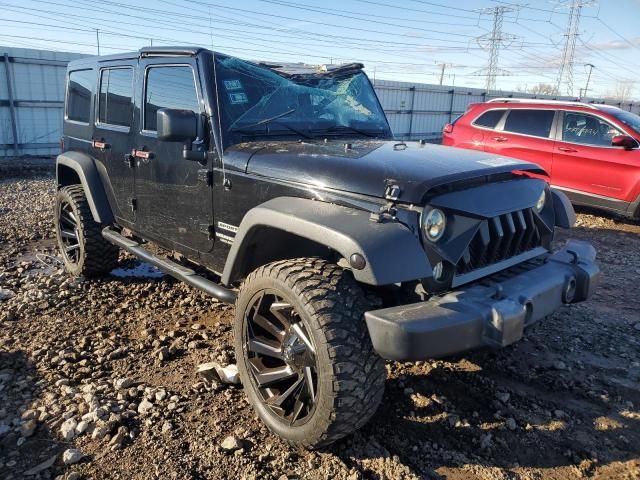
32	101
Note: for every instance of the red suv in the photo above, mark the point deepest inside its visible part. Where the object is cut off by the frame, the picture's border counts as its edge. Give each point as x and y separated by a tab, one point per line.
591	152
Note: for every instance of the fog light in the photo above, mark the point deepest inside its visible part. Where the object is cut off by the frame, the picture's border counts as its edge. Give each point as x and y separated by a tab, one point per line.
435	223
438	269
541	201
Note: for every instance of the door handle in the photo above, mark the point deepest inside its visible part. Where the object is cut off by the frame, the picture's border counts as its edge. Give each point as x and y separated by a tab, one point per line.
567	149
143	154
100	145
500	139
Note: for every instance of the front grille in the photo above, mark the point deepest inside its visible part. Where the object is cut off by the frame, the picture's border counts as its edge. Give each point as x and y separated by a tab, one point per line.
500	238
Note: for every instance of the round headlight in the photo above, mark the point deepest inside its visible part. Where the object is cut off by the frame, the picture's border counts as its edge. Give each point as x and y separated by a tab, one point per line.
434	224
541	201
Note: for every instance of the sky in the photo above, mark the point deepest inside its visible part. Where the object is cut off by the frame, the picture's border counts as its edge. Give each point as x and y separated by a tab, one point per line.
407	40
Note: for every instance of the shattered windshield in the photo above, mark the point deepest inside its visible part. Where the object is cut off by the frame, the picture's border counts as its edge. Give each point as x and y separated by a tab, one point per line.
256	101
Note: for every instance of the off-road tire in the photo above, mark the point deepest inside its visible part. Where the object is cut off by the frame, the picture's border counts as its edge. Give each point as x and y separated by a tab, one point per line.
96	255
351	375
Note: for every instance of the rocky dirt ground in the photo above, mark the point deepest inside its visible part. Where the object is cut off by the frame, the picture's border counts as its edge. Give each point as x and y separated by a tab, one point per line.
98	380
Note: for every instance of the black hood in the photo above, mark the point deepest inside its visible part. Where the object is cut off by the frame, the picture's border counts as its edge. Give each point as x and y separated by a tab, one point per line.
367	167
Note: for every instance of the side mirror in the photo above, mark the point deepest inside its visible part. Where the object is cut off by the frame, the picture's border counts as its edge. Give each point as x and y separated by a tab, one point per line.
624	141
177	125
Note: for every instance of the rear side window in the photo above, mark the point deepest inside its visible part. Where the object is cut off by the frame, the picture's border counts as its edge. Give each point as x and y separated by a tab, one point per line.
115	97
168	87
80	86
529	122
489	119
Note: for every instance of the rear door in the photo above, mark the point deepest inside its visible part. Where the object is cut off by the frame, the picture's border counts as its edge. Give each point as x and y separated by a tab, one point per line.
584	159
112	135
525	134
174	203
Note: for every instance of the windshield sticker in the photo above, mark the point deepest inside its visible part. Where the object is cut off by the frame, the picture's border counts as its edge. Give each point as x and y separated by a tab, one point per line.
238	98
232	85
497	162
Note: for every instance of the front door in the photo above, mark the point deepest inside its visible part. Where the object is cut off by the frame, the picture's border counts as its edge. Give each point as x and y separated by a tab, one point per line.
584	159
112	135
173	201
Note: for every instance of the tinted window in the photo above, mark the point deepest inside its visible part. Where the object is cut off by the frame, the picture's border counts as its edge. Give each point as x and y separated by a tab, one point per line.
79	97
587	129
169	87
115	96
489	119
529	122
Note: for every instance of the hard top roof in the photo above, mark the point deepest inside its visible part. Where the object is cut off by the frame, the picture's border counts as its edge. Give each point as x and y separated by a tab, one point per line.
287	69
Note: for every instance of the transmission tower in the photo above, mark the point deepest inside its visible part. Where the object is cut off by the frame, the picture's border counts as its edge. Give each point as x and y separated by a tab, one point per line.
569	50
493	41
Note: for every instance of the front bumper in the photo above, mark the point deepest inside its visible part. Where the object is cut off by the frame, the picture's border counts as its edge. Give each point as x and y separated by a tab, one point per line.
493	312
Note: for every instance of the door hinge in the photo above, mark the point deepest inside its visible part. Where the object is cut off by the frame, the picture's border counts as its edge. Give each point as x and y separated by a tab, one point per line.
133	204
206	176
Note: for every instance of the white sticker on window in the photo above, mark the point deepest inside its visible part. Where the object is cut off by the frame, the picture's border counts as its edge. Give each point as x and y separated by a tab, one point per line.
238	98
497	162
232	85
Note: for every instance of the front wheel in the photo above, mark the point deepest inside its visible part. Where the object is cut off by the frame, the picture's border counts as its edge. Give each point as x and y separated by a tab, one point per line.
304	353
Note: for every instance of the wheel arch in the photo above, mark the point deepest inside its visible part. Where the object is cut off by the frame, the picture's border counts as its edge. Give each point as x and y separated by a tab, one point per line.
78	168
298	227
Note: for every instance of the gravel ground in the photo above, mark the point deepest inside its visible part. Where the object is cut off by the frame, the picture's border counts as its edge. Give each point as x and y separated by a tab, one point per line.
98	380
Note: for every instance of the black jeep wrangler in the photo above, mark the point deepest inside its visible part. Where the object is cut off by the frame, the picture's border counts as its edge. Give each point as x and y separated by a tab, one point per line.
280	188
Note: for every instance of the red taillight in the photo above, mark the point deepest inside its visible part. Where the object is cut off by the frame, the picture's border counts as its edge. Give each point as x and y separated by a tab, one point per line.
448	128
61	144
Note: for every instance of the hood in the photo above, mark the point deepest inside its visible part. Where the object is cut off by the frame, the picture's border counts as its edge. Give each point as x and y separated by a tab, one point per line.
367	167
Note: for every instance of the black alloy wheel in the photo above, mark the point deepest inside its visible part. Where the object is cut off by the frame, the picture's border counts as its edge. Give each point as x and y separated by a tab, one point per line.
68	231
84	250
303	350
282	358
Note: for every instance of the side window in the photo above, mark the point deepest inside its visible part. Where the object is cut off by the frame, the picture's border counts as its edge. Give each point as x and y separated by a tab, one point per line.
587	129
489	119
529	122
80	85
115	96
168	87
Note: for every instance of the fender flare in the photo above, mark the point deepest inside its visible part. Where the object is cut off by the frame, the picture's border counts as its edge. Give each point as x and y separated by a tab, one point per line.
392	252
565	215
85	167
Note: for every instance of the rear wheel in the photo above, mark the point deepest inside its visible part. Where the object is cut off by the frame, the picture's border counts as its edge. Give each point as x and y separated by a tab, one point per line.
84	250
304	353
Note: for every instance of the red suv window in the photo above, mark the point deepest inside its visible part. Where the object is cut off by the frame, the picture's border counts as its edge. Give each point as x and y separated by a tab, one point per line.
489	119
587	129
529	122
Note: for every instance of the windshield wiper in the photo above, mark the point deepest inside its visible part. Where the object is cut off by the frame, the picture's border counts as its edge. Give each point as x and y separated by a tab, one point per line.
265	120
344	128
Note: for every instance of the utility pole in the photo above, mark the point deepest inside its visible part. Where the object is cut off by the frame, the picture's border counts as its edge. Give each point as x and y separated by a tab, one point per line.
442	67
493	41
571	35
586	87
98	39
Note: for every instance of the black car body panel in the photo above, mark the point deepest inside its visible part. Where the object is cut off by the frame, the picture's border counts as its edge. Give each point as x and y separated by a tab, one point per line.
368	166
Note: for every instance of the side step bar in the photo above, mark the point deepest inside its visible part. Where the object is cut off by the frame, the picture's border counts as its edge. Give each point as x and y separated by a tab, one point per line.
180	272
